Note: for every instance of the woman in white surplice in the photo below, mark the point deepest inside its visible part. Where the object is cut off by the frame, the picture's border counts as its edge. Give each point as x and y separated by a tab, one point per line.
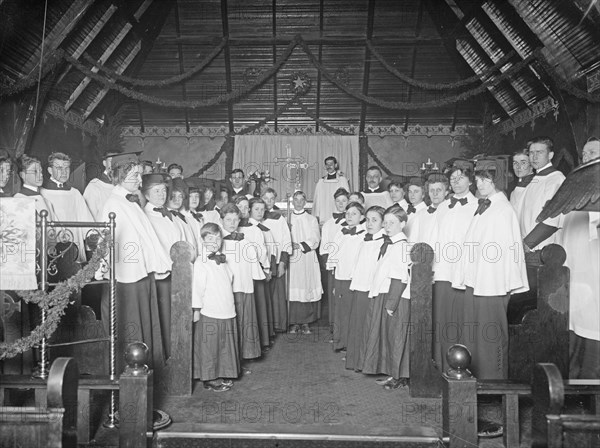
305	275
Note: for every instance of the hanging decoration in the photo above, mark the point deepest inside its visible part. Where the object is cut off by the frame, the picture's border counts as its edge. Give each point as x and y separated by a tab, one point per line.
55	303
53	61
163	82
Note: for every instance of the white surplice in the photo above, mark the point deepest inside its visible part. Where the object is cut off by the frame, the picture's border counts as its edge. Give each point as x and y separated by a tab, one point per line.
305	274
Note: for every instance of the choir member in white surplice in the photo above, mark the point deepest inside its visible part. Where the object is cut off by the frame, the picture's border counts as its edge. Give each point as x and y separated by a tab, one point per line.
195	219
30	171
342	260
524	173
425	219
305	273
216	346
415	190
331	227
255	236
542	187
386	348
396	191
178	192
323	203
375	194
99	189
492	267
67	202
140	258
277	223
242	259
155	190
580	241
453	218
362	280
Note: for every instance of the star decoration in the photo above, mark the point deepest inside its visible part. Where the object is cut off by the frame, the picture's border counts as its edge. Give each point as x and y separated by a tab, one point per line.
299	83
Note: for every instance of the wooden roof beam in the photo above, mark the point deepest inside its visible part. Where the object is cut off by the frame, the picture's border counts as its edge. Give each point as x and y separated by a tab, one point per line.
311	39
181	65
58	34
275	83
367	66
90	37
227	54
318	105
107	53
414	61
122	67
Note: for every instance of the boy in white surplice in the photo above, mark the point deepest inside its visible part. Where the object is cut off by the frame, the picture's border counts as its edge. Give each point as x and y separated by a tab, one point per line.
305	275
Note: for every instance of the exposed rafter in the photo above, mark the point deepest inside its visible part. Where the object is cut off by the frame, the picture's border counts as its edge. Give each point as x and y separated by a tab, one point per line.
107	53
122	67
227	54
181	65
275	83
57	35
90	37
367	66
318	103
413	64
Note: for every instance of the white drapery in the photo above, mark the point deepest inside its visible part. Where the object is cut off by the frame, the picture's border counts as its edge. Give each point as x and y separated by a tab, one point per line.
272	152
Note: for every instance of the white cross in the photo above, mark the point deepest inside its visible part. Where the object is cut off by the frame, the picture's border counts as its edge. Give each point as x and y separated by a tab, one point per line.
296	163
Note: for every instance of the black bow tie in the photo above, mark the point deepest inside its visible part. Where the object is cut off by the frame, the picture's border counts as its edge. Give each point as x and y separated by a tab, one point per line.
262	227
338	217
197	216
386	242
234	236
410	209
218	258
163	211
431	209
331	176
453	201
369	237
179	215
133	198
351	231
244	223
483	206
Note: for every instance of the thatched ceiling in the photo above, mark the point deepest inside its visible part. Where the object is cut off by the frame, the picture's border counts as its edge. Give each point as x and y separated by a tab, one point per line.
437	41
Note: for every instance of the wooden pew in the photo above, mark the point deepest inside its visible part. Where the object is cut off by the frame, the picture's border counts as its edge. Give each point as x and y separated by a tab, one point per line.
461	388
135	388
52	425
549	424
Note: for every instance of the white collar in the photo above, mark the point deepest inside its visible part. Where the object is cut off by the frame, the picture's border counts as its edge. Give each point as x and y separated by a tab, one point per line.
59	184
29	187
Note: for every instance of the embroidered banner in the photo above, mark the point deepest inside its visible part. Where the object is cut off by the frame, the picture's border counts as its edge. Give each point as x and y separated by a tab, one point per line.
17	244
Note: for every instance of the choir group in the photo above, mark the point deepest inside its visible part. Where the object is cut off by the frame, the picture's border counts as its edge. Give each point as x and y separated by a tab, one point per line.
243	294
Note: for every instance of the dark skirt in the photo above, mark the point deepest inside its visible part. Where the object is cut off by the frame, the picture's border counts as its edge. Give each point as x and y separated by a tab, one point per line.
137	320
269	298
448	321
342	313
163	292
248	334
278	297
356	328
487	339
262	315
304	312
387	348
216	351
330	296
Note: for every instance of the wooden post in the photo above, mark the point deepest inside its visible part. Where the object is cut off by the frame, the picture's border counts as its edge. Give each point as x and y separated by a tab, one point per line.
459	399
176	378
543	334
135	398
425	379
63	380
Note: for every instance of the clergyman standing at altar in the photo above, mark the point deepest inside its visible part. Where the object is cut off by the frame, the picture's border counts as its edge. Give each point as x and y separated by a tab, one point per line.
323	201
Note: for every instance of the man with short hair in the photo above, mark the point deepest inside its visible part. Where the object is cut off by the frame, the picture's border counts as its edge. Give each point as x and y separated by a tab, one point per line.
237	184
524	173
175	171
374	193
323	202
542	187
5	170
68	203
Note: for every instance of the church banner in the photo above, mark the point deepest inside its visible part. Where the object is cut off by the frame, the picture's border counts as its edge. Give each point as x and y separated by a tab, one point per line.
17	244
